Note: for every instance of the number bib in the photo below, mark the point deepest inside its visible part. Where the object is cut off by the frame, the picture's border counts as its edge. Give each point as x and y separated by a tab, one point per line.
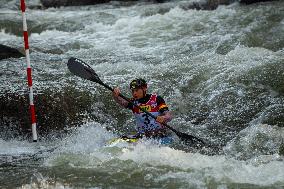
145	123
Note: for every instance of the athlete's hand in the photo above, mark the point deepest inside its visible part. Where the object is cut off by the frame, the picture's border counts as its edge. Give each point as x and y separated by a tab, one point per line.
160	119
116	92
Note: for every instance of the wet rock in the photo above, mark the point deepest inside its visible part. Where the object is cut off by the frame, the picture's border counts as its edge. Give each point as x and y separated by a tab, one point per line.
199	5
281	150
55	111
206	5
253	1
202	5
58	3
8	52
213	4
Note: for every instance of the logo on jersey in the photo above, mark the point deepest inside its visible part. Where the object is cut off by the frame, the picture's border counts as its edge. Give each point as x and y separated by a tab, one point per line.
146	108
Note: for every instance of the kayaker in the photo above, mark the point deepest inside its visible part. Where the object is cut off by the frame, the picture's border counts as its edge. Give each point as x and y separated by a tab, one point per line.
146	125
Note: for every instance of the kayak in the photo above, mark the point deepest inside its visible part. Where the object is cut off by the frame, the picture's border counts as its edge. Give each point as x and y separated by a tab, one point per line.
164	140
122	139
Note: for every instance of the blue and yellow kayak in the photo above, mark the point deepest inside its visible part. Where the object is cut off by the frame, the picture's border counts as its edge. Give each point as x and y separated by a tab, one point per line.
164	140
118	140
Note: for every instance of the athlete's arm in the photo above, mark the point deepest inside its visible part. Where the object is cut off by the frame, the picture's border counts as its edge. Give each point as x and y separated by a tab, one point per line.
166	115
118	99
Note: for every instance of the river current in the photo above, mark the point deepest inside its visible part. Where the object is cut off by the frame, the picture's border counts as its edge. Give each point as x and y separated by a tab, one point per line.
221	72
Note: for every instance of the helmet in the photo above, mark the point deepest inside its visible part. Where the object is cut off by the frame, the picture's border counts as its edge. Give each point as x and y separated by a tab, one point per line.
137	83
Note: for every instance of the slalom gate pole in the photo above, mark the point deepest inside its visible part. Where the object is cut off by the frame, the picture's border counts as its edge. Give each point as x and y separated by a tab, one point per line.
29	71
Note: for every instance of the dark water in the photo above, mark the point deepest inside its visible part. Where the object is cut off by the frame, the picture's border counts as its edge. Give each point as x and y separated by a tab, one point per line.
221	72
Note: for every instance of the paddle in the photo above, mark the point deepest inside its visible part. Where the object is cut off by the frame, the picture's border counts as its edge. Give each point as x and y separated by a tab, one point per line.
83	70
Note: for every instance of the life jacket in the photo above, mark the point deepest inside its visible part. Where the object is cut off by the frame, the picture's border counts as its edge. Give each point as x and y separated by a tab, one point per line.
145	123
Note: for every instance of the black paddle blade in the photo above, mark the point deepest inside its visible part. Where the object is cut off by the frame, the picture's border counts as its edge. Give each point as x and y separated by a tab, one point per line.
83	70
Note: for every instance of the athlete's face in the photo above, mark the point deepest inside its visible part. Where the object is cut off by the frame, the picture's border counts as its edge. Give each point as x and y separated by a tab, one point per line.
138	93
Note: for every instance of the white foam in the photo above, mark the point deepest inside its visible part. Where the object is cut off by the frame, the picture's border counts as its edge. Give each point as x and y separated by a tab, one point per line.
254	141
82	148
6	37
196	165
88	138
15	147
192	168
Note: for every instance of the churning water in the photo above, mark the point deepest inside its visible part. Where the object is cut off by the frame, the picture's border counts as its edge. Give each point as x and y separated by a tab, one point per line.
220	71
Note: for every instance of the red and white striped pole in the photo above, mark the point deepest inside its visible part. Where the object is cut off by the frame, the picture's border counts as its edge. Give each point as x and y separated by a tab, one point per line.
29	71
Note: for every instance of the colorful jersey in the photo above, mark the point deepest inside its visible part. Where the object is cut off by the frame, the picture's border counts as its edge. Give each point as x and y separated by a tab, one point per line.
153	104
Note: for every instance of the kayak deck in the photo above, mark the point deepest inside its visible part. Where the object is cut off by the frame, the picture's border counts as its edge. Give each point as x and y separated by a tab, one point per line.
164	140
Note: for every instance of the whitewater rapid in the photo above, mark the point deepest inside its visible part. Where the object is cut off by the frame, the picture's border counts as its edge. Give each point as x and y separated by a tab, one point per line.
221	72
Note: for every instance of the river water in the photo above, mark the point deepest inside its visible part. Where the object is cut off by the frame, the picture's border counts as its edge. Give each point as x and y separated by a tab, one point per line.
221	72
